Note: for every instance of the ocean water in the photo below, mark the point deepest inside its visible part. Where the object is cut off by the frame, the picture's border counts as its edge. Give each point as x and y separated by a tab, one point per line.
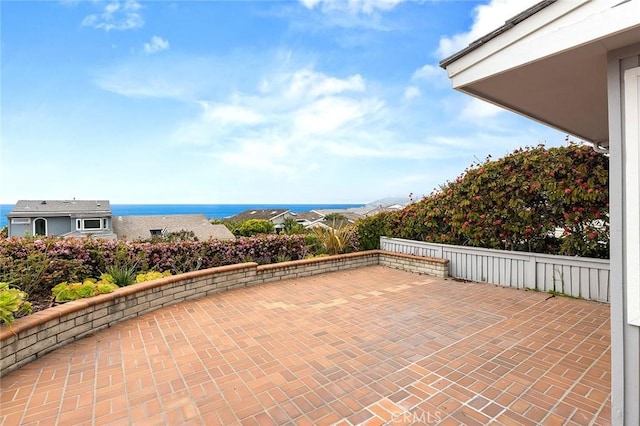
212	211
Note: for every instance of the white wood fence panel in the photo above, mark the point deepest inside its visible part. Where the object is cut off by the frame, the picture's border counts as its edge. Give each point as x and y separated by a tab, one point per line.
575	276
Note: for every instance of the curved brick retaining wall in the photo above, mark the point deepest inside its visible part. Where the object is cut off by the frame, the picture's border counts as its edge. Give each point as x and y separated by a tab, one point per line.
35	335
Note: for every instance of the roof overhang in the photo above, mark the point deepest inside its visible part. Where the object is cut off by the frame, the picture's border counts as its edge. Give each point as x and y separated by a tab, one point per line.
551	65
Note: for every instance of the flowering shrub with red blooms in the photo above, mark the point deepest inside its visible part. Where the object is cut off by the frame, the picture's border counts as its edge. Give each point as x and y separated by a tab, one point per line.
36	265
541	200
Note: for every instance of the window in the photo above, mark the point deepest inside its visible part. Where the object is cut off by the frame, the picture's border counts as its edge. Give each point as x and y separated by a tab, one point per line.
20	221
155	232
92	224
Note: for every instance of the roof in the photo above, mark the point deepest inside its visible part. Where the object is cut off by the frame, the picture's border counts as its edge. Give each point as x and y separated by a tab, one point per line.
33	208
550	63
352	212
139	227
263	214
308	216
509	23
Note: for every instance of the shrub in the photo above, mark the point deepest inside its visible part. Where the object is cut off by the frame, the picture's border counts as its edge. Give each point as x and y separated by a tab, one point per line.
66	292
519	203
36	265
371	228
12	303
252	227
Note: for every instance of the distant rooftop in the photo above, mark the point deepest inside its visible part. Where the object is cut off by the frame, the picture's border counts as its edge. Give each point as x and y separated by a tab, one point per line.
26	208
143	227
264	214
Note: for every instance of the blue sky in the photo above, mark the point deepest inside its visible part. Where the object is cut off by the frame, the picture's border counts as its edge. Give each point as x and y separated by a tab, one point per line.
243	102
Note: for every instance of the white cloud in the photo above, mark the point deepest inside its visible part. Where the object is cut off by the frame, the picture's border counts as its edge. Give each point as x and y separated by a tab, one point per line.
230	114
331	113
428	72
474	109
117	15
156	45
127	83
309	84
310	4
412	92
346	14
352	6
294	120
487	18
431	74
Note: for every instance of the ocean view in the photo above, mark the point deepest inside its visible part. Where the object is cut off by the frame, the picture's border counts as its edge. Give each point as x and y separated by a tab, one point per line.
212	211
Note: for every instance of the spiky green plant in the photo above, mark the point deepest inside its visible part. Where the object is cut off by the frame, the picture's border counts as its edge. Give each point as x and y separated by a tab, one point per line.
122	275
332	240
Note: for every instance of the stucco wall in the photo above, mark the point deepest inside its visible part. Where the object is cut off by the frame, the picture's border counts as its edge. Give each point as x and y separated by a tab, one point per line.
19	230
58	225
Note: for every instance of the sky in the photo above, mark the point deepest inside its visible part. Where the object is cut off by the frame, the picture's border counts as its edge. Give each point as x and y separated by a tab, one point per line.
223	102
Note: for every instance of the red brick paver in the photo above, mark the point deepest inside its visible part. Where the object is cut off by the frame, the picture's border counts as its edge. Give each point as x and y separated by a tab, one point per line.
368	346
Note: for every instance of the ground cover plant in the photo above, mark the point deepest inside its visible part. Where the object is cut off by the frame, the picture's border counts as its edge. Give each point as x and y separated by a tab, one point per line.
66	292
12	302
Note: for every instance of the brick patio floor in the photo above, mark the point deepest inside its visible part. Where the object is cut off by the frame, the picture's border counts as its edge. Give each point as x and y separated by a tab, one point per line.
367	346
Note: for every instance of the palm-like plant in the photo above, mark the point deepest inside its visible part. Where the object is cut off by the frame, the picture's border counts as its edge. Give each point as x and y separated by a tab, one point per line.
333	240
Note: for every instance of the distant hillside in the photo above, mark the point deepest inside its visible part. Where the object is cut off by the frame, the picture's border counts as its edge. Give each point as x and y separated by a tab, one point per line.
390	201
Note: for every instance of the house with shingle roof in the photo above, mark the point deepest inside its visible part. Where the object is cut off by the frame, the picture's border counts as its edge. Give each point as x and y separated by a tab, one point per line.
145	227
275	216
61	218
306	219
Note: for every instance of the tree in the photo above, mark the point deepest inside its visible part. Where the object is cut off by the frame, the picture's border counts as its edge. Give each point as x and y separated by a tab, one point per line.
292	227
252	227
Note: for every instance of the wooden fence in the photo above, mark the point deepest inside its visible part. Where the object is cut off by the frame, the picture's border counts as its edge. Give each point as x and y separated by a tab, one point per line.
574	276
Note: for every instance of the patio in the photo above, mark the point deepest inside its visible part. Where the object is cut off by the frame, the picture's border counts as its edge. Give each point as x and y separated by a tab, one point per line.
372	345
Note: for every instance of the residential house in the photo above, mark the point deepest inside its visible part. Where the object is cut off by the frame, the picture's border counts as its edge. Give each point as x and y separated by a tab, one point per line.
61	218
275	216
306	219
575	66
145	227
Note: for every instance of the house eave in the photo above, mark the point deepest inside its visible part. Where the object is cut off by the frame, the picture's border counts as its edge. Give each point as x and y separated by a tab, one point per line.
100	214
551	67
510	23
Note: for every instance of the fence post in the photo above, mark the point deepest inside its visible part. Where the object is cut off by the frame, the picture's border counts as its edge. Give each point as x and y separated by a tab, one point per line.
530	278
